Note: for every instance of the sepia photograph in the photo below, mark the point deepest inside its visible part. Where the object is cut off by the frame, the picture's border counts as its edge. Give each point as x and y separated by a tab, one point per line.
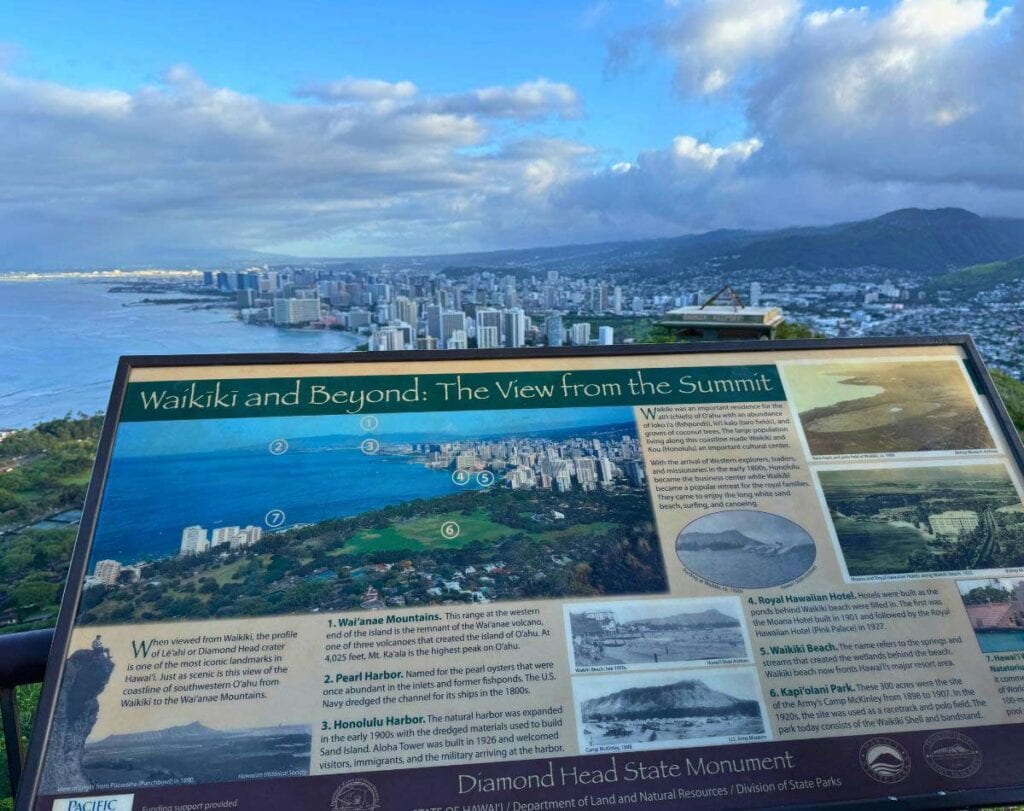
668	709
648	634
745	549
81	759
871	407
925	519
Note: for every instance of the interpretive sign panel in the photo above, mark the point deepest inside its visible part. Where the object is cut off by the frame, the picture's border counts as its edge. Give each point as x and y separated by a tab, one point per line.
637	577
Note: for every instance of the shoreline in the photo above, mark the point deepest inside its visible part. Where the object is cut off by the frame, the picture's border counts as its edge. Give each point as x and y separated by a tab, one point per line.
43	314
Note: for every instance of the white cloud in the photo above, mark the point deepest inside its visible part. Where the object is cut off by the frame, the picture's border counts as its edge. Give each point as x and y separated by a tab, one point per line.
101	176
530	100
851	112
848	112
714	41
353	89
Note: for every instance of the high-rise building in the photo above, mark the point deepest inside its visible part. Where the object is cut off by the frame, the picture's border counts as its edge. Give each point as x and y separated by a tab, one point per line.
357	319
426	342
292	311
194	540
579	334
487	337
108	571
755	294
617	299
635	472
452	321
489	317
387	339
605	336
554	329
515	327
457	340
407	310
252	534
434	321
222	535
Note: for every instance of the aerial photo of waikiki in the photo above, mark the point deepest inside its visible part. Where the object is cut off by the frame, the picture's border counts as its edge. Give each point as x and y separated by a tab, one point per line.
533	504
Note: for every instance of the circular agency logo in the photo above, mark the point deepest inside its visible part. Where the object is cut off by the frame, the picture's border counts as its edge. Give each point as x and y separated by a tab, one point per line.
356	795
952	754
885	760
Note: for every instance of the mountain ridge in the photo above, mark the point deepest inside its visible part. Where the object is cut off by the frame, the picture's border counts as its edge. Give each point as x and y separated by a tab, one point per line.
928	241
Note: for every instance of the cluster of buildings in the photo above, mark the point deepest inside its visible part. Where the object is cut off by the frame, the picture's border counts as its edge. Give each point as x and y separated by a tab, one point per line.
949	523
407	309
528	463
860	306
457	584
196	539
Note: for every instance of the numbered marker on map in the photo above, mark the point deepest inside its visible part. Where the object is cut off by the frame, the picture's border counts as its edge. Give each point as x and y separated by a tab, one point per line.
369	446
278	446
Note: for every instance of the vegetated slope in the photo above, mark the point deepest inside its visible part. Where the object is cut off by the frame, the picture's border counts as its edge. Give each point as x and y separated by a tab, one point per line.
1012	392
909	239
974	279
913	239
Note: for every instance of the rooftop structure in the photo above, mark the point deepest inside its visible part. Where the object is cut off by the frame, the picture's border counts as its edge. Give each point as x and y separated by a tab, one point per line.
723	322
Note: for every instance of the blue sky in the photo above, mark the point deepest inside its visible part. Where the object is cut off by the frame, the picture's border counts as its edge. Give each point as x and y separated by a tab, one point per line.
203	436
268	50
347	129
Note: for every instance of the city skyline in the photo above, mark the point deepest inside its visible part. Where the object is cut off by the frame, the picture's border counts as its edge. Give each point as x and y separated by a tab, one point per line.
136	439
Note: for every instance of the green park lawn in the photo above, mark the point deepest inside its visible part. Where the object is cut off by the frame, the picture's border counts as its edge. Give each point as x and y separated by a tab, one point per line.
425	533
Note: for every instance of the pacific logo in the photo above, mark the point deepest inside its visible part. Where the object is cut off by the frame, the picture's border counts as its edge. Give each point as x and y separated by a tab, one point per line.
112	802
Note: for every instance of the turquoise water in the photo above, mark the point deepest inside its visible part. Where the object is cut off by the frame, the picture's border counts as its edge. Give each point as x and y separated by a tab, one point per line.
1001	641
60	340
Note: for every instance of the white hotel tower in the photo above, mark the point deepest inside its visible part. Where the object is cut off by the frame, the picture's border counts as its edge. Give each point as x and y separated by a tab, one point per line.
194	540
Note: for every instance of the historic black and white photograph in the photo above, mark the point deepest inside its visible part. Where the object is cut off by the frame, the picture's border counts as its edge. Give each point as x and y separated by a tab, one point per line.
649	634
668	709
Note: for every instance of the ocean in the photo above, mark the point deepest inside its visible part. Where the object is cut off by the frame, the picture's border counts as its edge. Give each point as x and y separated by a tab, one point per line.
149	500
60	340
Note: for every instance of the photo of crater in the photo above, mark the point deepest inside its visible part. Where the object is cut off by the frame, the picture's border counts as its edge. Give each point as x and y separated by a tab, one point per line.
190	752
668	709
856	407
745	549
196	753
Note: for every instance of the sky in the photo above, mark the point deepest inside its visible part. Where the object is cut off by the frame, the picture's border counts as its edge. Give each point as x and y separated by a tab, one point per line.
206	436
319	128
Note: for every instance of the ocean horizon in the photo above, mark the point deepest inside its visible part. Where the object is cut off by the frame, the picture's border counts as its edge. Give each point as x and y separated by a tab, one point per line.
61	339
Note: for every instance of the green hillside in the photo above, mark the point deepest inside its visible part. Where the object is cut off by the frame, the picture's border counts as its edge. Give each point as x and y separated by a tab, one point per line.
974	279
1012	392
928	241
